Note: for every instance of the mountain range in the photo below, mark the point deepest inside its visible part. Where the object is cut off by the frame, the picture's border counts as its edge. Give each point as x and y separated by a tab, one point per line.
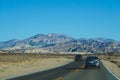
61	43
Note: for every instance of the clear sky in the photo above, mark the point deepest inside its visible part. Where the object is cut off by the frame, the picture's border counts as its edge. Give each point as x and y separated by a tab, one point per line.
20	19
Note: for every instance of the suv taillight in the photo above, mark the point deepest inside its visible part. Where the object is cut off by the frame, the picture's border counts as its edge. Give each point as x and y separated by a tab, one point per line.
97	60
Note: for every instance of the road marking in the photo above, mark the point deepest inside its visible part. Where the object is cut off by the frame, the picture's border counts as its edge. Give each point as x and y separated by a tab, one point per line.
76	70
59	78
112	72
82	66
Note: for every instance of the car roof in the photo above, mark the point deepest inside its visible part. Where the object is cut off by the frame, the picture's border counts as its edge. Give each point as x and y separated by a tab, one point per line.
78	55
92	57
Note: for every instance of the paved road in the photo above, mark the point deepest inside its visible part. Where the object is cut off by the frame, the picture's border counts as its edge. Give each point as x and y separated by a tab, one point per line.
72	71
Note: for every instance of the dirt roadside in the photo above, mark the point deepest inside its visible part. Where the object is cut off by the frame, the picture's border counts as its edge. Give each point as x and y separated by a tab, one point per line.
112	67
22	68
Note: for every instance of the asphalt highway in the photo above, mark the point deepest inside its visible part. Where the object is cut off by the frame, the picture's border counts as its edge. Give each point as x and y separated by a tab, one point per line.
72	71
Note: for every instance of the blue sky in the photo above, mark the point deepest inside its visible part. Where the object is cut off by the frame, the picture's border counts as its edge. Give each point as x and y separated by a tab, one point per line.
20	19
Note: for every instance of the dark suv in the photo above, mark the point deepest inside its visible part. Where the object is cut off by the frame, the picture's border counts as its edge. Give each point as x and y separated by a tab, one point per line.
92	61
78	57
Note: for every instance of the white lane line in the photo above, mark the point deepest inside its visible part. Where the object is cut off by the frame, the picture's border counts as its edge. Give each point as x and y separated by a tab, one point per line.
112	72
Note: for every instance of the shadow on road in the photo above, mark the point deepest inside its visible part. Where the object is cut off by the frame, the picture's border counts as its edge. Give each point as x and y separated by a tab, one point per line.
75	65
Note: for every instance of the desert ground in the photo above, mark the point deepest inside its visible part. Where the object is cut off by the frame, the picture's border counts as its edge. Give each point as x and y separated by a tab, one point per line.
12	65
112	62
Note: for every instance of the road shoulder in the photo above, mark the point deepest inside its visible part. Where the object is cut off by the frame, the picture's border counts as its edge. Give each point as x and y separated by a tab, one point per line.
29	67
112	68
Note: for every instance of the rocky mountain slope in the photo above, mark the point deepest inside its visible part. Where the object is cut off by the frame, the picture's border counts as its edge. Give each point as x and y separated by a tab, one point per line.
61	43
88	45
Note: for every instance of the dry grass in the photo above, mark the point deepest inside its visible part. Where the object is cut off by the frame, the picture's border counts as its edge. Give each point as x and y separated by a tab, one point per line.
18	57
15	64
112	58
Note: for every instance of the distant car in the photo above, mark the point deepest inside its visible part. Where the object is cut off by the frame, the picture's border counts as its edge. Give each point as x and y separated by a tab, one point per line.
78	57
92	61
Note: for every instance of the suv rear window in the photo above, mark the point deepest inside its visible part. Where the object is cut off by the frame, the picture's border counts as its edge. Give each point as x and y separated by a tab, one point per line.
78	56
92	58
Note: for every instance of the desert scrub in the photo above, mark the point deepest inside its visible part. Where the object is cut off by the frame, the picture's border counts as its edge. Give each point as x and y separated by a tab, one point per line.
118	63
1	70
113	61
112	58
15	58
